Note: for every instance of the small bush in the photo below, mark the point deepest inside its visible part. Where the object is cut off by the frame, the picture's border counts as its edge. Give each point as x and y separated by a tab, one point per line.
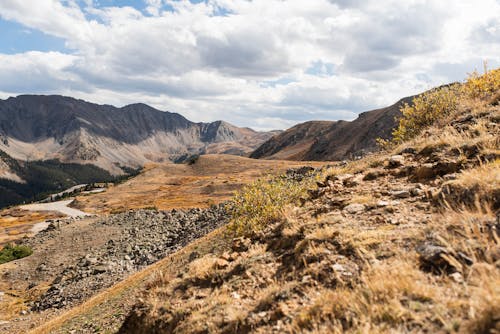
425	109
14	252
431	106
482	86
261	203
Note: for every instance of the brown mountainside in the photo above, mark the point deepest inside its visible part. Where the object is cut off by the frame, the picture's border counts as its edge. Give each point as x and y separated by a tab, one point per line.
326	141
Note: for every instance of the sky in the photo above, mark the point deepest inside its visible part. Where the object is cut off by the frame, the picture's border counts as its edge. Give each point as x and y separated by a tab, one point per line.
265	64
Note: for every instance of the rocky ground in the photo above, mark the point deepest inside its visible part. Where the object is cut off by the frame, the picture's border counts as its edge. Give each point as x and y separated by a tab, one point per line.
105	251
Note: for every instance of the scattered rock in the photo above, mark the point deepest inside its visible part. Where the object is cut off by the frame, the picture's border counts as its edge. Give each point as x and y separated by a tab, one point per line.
416	191
400	194
457	277
147	236
395	161
240	244
424	172
355	208
381	204
99	270
221	263
373	175
438	259
408	150
338	267
353	181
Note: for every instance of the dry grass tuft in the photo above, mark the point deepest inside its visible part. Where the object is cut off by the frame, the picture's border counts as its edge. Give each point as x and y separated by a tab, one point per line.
473	188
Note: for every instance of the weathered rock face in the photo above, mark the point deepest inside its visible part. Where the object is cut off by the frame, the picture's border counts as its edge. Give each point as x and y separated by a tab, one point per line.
328	141
146	237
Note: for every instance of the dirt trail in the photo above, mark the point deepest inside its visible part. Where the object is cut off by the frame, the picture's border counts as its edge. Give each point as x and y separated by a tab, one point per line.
60	206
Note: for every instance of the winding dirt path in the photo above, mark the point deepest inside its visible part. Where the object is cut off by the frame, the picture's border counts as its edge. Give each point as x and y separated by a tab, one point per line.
60	206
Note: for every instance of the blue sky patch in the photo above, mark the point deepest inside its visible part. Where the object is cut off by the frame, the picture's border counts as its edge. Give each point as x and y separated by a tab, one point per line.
16	38
319	68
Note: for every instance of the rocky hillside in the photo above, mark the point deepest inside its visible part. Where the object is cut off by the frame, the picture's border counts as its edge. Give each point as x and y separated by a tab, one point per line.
35	127
332	141
405	241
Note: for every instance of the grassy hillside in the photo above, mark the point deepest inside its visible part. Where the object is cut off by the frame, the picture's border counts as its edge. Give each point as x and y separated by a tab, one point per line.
45	177
404	241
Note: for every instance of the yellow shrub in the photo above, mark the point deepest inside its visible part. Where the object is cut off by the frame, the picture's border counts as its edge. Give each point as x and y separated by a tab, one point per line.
262	202
482	86
435	104
424	111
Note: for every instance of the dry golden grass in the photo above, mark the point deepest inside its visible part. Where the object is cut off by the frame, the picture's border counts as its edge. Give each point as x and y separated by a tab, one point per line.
396	296
211	180
475	187
486	177
442	134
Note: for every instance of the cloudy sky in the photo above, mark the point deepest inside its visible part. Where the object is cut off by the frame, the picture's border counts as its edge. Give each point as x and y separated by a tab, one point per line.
263	63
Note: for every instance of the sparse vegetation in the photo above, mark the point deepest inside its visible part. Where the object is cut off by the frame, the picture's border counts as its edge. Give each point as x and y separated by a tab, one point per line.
438	103
424	111
13	252
262	202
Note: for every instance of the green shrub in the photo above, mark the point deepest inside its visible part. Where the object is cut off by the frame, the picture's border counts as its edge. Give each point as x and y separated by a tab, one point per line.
14	252
262	202
425	109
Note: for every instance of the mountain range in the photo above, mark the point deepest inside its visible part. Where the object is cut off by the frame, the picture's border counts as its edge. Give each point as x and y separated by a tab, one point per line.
35	127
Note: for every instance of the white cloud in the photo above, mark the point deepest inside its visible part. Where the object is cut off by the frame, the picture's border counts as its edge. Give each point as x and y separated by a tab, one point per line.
328	59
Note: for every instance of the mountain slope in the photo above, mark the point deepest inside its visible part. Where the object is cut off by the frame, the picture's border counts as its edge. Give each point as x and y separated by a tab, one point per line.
293	143
35	127
320	140
22	181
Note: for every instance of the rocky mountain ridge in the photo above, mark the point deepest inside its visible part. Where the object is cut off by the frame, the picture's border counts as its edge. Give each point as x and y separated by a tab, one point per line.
38	127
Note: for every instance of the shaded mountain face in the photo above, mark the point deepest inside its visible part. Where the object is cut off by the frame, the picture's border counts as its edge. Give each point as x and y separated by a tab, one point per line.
293	143
328	141
25	181
35	127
